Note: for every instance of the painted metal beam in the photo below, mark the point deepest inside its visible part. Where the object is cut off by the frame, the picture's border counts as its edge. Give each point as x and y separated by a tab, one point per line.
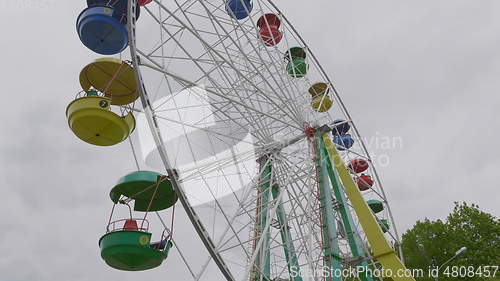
353	237
286	238
331	250
380	247
262	266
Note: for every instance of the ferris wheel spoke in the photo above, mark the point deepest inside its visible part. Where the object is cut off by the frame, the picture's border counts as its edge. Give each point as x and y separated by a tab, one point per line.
296	190
189	56
219	110
260	58
217	53
261	126
176	246
214	165
276	61
200	57
210	132
183	6
162	43
235	234
219	95
217	11
200	60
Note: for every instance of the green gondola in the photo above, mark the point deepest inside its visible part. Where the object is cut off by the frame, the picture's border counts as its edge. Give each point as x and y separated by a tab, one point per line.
127	243
296	65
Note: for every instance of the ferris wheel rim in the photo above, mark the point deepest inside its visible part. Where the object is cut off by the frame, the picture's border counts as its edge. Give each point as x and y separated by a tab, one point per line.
152	121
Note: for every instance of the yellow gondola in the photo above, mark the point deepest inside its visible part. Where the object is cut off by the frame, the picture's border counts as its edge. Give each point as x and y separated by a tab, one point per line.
321	102
91	119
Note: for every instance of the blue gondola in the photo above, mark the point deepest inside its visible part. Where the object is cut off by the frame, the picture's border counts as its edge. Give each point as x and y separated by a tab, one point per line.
100	31
343	142
342	128
239	9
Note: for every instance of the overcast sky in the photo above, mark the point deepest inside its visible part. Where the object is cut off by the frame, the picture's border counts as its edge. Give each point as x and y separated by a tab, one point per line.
425	72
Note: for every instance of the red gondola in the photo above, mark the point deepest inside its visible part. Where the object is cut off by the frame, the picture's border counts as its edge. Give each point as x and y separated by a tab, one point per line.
364	182
358	165
270	33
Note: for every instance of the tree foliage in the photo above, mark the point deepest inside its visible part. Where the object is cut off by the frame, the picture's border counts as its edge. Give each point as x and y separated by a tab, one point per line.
432	243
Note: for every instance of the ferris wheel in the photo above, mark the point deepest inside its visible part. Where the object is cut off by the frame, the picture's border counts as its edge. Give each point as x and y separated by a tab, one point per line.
238	124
